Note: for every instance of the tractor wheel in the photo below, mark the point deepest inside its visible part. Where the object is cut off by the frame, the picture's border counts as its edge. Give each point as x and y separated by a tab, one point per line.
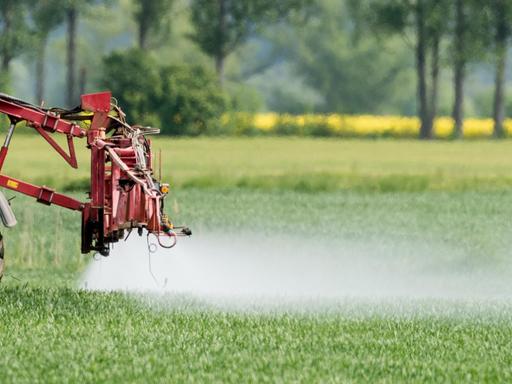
2	266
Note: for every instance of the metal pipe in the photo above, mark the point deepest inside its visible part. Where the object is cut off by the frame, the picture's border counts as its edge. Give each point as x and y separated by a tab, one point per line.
6	213
160	165
5	147
9	135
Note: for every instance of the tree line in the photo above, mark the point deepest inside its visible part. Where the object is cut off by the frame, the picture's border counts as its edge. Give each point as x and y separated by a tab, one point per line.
471	28
309	34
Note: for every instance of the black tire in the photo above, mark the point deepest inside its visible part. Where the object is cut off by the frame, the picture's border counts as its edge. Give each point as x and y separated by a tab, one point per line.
2	264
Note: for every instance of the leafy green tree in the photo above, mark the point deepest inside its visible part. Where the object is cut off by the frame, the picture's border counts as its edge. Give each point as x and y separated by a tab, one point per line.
430	22
46	16
14	34
72	9
437	26
191	101
150	16
501	18
482	26
459	66
469	39
133	78
182	100
427	21
220	26
353	74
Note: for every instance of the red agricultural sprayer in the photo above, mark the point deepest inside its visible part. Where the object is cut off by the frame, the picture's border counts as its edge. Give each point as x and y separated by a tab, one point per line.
124	194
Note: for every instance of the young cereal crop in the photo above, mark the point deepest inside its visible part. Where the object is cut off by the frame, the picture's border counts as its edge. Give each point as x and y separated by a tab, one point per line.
450	232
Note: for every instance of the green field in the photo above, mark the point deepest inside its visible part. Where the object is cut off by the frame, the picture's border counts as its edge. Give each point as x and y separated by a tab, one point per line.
438	208
300	164
61	335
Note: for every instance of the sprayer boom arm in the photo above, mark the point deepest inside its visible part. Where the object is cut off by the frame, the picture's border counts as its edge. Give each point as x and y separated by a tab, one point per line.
18	110
43	121
123	193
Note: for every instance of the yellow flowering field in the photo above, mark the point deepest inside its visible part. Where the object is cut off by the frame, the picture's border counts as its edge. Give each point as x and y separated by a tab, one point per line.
351	125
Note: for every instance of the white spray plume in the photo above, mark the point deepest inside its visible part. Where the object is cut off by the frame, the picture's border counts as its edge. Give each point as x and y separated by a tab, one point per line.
254	266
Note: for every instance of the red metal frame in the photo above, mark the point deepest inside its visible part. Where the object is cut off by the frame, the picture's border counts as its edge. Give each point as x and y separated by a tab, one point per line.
121	196
42	123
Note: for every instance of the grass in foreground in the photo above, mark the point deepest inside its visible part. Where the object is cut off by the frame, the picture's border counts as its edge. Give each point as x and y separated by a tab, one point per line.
62	335
51	332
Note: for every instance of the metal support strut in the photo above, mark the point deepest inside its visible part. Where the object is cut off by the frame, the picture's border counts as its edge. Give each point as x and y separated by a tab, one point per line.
5	147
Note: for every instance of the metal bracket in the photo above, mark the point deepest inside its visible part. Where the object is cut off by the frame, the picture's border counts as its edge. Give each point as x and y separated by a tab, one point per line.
45	124
45	195
69	158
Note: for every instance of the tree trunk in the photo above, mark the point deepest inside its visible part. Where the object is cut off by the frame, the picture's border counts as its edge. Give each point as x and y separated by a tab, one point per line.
434	91
6	63
142	37
82	82
221	55
40	70
421	71
71	56
501	61
219	67
459	70
143	28
458	103
499	91
6	53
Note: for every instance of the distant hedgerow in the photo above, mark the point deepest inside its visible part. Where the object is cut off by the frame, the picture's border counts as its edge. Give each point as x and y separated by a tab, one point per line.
179	99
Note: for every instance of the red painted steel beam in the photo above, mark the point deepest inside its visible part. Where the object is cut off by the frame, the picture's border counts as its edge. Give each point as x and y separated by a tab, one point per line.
70	158
46	120
42	194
